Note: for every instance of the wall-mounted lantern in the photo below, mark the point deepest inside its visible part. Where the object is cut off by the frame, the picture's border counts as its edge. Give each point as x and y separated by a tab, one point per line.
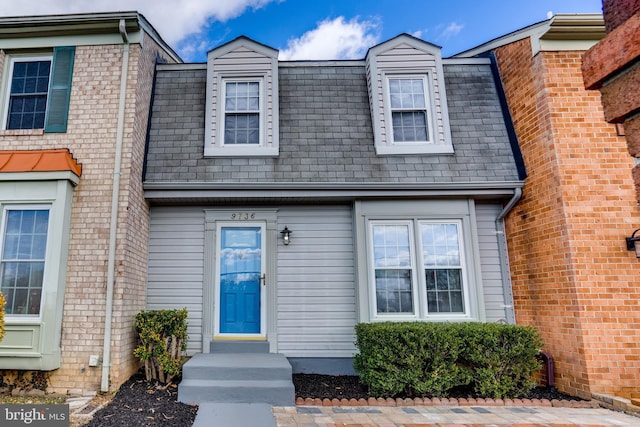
633	243
286	235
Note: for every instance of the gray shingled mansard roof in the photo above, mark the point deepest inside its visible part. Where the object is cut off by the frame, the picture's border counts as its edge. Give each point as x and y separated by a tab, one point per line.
326	138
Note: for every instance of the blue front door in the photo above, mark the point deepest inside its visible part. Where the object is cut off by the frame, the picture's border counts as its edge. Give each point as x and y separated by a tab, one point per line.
240	271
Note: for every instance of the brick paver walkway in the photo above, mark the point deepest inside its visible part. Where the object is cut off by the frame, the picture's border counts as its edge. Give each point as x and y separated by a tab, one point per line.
469	416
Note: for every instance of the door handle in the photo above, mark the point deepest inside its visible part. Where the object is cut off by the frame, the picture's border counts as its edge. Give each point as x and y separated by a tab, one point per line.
263	279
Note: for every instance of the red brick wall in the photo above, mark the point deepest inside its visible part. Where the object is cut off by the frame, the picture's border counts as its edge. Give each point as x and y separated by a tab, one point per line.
612	67
618	11
573	278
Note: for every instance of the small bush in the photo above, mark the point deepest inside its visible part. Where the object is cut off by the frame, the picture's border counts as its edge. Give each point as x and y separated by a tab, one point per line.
163	338
409	358
501	358
430	359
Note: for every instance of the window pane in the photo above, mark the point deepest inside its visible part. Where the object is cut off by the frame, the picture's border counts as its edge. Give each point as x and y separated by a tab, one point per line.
409	126
242	129
28	100
440	245
444	291
391	246
407	93
242	96
393	291
23	253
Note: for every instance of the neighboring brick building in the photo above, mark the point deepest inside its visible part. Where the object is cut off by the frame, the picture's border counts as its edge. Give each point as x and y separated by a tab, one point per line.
95	108
611	66
573	278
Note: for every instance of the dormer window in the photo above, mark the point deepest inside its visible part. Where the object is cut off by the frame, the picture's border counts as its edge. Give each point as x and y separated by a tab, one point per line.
408	99
409	113
241	112
242	100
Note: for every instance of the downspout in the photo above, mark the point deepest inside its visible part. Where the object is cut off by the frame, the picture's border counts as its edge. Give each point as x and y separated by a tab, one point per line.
504	257
113	227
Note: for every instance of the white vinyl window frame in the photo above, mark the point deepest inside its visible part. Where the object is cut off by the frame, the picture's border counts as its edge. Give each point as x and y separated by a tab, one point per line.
226	81
418	272
8	81
404	99
427	107
267	146
4	259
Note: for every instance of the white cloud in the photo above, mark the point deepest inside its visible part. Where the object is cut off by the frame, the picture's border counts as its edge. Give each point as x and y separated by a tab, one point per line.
173	20
333	39
452	30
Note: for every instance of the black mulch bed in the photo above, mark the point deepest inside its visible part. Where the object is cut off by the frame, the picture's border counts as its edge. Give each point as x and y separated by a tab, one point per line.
348	387
142	403
146	404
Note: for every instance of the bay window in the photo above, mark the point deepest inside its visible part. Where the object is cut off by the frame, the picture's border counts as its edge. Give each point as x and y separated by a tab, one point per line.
24	242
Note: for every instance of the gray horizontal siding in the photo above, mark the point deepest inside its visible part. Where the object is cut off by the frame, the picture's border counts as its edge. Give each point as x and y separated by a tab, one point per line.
490	261
316	283
176	269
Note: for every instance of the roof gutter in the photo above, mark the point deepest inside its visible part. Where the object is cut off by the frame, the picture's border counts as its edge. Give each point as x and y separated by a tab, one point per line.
115	197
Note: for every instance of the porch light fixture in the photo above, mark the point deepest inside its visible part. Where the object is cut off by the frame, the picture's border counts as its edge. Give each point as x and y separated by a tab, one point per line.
286	235
633	243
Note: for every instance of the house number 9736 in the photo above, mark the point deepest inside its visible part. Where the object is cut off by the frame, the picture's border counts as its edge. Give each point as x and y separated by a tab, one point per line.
243	216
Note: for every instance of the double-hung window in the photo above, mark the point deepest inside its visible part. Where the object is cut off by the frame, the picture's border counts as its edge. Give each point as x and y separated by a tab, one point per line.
28	93
24	243
242	112
38	90
408	102
417	269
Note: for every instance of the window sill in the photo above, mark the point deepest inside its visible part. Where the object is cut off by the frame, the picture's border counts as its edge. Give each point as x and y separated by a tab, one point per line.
248	151
399	150
22	132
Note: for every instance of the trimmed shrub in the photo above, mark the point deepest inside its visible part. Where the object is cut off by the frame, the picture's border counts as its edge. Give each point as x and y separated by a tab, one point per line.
163	338
410	359
501	358
430	359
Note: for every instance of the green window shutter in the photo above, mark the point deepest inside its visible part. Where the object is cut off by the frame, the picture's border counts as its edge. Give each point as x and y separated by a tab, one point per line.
59	89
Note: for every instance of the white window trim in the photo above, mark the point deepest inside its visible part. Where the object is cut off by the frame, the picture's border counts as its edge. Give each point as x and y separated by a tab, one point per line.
261	112
428	109
419	292
438	144
27	318
372	274
6	83
214	141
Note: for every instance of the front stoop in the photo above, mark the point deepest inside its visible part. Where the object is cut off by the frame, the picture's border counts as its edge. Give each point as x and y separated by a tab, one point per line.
237	378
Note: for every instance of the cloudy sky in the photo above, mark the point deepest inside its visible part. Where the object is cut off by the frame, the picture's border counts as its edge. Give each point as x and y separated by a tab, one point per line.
319	29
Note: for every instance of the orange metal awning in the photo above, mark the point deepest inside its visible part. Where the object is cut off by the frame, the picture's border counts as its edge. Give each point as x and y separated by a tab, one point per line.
39	161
